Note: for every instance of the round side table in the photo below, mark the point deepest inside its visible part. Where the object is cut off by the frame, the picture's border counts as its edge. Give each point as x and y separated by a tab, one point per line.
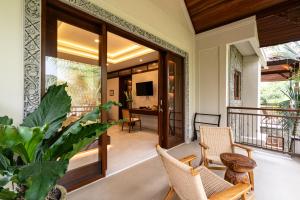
238	168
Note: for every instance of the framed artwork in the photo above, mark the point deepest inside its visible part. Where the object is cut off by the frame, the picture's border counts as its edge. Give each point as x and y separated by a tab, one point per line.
111	92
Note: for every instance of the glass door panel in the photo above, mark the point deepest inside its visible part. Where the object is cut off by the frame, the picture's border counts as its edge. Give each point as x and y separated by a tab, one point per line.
74	54
77	64
173	98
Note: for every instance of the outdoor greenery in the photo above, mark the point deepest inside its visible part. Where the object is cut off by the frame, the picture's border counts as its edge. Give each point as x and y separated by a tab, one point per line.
34	155
271	93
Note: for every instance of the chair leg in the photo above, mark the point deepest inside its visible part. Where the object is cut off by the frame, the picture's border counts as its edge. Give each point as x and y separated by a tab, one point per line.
122	126
251	177
129	125
244	196
170	194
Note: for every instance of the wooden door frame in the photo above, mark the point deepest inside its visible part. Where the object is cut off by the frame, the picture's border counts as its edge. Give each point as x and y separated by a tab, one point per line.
116	30
88	173
163	122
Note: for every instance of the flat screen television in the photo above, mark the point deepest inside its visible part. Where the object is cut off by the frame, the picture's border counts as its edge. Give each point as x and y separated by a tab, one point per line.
144	88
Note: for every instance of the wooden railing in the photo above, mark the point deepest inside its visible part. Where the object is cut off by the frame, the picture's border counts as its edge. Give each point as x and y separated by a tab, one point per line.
267	128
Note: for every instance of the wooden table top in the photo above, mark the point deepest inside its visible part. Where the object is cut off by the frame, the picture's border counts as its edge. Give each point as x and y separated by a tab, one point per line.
238	162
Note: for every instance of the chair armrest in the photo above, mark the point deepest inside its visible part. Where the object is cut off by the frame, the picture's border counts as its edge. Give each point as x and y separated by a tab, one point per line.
188	160
203	145
248	149
232	193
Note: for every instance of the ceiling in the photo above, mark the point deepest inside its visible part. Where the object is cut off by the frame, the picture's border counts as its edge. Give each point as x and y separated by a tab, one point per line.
209	14
280	24
121	53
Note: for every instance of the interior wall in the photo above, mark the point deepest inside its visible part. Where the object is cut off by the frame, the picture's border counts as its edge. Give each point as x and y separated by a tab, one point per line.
149	101
113	95
212	59
11	57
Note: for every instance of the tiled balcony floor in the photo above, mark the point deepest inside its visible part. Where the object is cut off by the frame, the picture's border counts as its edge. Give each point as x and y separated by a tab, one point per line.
277	177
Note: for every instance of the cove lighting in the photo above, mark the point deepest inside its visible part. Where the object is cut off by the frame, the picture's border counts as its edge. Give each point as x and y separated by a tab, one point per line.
76	53
123	51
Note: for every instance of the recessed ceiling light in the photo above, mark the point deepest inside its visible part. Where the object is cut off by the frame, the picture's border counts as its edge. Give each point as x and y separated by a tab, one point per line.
141	60
96	40
107	64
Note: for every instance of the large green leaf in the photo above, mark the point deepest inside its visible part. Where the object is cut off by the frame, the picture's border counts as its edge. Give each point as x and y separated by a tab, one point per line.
40	177
32	137
52	110
75	137
6	120
4	162
9	136
6	194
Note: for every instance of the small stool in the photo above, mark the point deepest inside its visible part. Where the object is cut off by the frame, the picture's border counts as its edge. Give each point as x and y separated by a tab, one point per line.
238	168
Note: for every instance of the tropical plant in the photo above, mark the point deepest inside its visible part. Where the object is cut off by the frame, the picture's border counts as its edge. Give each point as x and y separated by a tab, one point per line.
36	154
293	93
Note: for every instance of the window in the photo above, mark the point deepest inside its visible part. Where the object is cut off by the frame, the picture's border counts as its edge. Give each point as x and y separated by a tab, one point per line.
237	85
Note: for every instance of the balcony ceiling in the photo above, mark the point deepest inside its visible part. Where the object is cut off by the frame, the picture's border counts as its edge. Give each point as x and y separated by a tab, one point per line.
209	14
278	21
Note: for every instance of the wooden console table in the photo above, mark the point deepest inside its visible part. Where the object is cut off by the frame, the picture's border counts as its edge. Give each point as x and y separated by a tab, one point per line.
143	111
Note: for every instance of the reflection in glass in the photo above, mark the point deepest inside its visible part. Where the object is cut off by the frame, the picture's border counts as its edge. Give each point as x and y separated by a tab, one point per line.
175	96
84	81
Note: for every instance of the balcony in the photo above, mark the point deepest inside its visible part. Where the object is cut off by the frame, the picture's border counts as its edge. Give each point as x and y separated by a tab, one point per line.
277	176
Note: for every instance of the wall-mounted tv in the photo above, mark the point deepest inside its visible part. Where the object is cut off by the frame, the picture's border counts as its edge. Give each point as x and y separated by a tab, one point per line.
144	88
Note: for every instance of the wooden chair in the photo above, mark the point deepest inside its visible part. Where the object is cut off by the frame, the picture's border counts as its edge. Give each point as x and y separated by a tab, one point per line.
217	140
130	120
200	183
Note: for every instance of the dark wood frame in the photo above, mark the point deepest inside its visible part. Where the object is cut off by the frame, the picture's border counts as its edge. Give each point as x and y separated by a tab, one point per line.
164	125
58	11
133	67
237	84
75	178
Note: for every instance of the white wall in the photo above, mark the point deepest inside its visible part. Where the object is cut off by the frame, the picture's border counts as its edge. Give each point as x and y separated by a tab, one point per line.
250	81
11	59
149	101
113	84
212	58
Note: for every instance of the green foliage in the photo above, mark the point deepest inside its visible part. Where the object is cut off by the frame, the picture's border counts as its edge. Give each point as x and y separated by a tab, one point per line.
271	92
6	120
36	154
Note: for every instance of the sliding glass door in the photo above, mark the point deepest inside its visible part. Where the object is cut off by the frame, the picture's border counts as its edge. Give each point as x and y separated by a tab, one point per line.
171	97
75	53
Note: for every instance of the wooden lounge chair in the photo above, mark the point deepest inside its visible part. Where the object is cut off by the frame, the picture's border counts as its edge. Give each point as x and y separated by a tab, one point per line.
217	140
200	183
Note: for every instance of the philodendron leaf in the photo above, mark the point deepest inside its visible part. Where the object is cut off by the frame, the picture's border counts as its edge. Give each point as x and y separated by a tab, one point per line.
107	106
9	136
4	162
6	194
6	120
92	135
32	137
52	110
41	177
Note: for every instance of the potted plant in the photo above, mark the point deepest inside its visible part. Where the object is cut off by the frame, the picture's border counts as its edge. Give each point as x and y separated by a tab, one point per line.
129	99
34	155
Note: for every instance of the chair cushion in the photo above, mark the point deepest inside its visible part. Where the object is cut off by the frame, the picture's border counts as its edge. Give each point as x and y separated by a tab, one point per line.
133	119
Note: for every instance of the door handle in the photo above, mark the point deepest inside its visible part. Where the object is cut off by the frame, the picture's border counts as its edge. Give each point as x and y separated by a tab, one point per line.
160	106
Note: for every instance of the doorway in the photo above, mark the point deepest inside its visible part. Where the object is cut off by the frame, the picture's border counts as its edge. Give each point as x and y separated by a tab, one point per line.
168	110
